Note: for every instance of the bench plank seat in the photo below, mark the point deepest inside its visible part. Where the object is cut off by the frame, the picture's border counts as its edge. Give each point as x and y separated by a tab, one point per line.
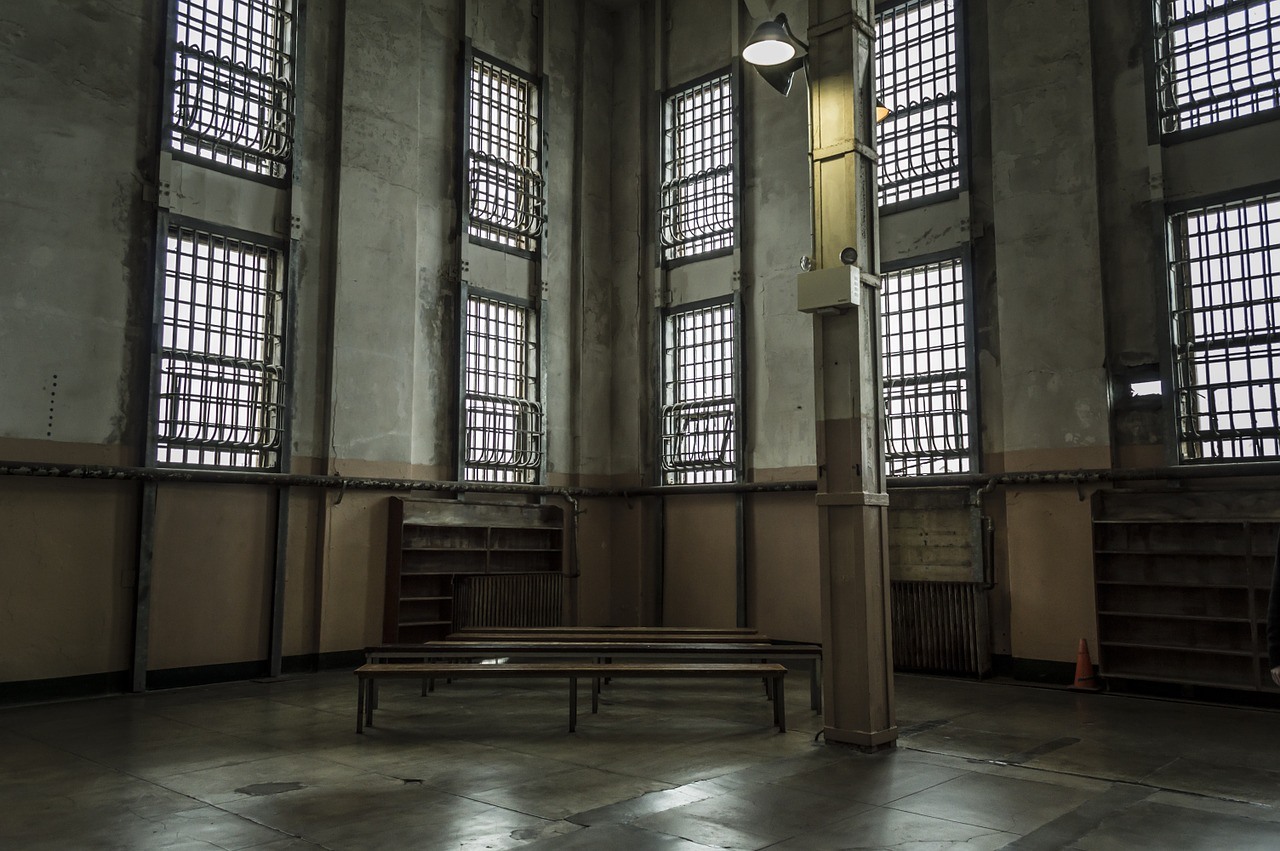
595	637
605	650
369	673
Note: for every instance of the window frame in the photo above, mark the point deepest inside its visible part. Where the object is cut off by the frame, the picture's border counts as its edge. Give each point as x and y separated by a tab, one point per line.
962	256
666	347
961	112
281	172
1173	367
534	358
284	259
1156	49
538	147
733	73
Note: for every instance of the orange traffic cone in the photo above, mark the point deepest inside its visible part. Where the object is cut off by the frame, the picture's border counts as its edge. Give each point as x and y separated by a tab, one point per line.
1086	679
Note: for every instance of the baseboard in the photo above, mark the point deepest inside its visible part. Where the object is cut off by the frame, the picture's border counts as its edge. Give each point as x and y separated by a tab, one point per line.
310	663
119	682
64	688
1034	670
203	675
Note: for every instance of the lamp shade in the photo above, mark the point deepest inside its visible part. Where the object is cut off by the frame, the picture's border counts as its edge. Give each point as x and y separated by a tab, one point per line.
769	45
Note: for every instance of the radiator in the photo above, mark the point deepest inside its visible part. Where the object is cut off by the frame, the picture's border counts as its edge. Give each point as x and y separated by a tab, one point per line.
940	627
509	599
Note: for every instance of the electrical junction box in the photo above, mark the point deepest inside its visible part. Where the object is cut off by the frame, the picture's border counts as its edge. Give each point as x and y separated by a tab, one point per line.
827	290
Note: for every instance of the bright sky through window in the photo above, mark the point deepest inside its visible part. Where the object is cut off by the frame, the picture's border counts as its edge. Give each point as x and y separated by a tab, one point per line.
698	204
503	437
1226	281
1216	60
505	187
232	83
699	414
220	353
926	370
918	144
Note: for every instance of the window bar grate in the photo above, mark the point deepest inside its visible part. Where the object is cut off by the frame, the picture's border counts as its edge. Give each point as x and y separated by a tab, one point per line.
221	352
1226	327
926	370
699	417
697	207
918	144
1216	60
232	89
503	422
504	175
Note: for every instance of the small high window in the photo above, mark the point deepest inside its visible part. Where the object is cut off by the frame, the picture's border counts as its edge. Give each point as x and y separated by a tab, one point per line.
699	381
918	144
503	434
231	91
698	207
928	380
1225	278
504	168
1216	60
220	384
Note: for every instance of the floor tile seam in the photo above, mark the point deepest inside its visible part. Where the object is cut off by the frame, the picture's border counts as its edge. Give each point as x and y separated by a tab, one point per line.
1155	787
197	804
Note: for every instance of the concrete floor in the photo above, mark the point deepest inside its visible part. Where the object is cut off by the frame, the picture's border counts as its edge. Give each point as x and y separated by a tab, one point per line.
664	766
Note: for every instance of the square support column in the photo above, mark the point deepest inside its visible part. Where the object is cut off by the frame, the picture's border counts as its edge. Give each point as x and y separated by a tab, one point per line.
849	408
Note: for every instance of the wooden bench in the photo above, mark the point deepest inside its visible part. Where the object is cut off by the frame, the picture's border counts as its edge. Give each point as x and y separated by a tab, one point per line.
609	635
367	675
579	648
620	630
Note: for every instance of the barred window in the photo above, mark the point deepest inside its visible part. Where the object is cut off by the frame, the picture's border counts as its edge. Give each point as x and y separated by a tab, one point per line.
503	435
698	203
232	88
220	383
1225	276
1215	60
928	381
699	411
918	143
504	171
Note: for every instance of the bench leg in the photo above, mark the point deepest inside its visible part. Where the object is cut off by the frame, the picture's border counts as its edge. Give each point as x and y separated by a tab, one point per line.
779	704
815	686
360	699
573	704
373	693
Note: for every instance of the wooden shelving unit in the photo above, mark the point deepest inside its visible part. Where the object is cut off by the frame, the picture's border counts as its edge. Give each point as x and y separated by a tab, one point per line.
439	554
1181	581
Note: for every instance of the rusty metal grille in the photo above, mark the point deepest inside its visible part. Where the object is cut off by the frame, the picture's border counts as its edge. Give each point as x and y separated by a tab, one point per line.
918	144
232	88
940	627
699	414
1225	275
698	204
503	437
220	387
1216	60
927	375
520	599
504	174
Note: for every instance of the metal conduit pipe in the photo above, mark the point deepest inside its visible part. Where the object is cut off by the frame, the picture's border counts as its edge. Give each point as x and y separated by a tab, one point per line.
984	481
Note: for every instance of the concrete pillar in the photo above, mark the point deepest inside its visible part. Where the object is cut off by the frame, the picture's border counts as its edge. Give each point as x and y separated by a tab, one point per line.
852	503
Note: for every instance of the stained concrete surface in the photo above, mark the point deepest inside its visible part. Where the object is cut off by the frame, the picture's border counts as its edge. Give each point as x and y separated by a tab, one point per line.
277	765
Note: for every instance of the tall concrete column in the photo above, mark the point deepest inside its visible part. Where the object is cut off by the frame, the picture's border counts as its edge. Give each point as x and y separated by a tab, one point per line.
852	503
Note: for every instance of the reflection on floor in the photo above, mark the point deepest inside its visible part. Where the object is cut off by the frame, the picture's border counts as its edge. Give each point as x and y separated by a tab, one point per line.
663	766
